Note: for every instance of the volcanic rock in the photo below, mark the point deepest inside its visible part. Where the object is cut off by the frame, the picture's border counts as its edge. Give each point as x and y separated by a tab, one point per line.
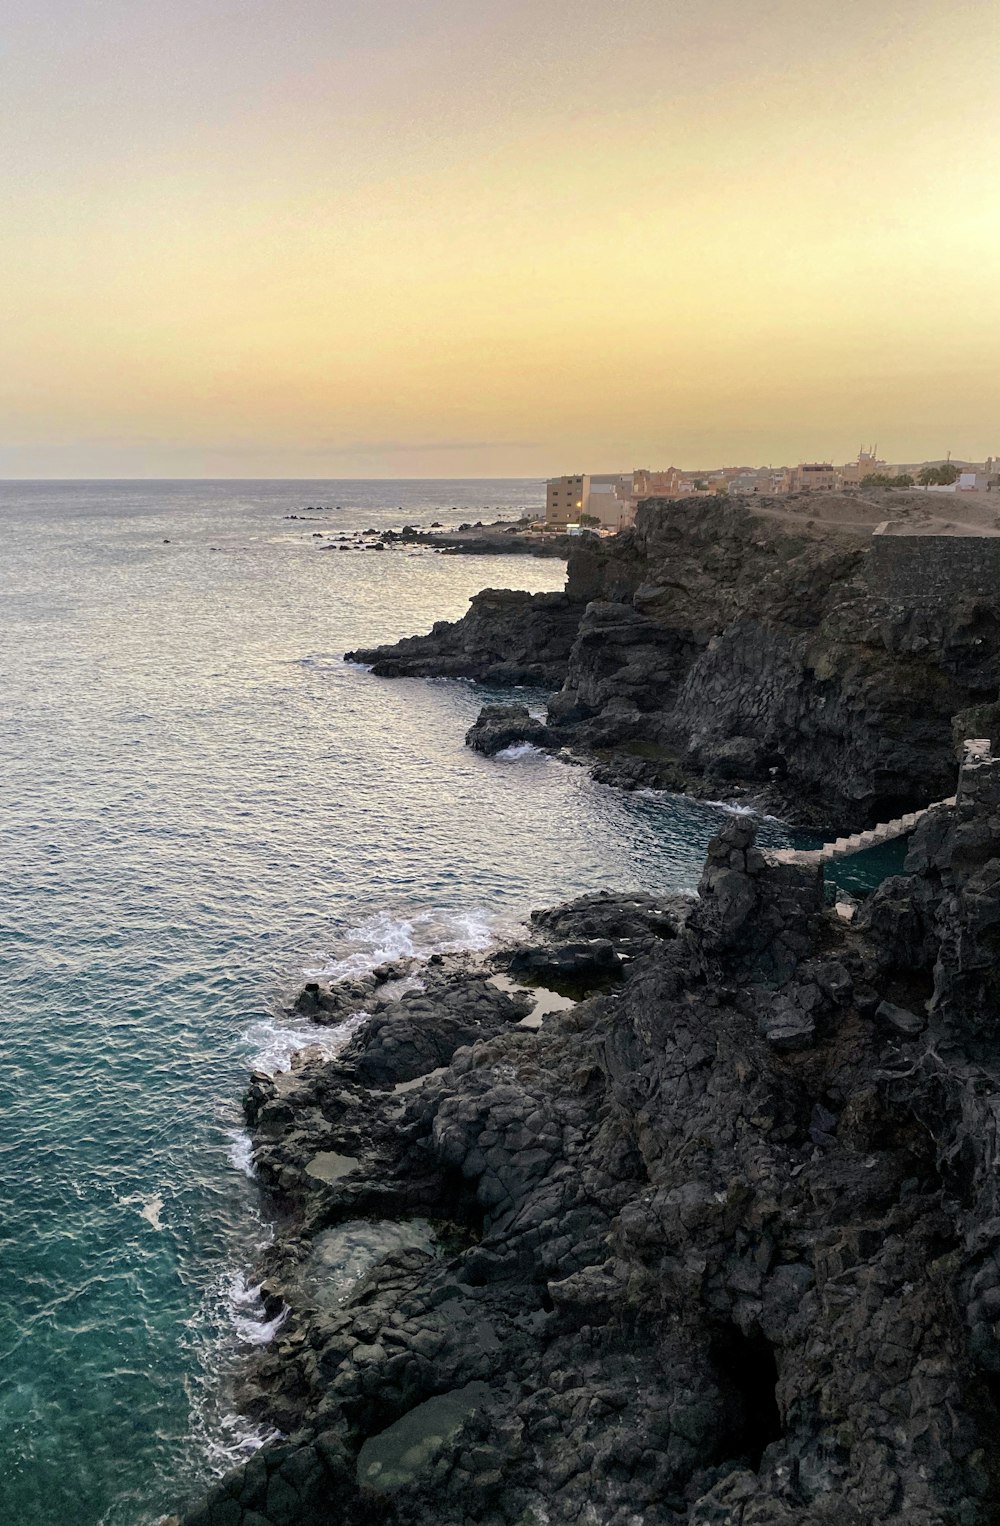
500	726
718	1244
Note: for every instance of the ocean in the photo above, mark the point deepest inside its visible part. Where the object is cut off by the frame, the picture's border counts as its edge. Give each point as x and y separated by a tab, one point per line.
203	805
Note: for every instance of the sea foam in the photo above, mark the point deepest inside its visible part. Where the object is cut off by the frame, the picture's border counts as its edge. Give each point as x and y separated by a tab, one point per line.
518	751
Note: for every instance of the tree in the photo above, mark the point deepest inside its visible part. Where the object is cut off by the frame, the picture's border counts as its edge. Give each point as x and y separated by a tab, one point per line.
589	519
938	476
882	479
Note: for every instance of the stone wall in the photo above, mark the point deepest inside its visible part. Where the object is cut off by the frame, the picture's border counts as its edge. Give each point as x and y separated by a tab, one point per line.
935	568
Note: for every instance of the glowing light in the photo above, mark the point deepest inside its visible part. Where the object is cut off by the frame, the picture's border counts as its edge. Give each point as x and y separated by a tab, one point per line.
382	242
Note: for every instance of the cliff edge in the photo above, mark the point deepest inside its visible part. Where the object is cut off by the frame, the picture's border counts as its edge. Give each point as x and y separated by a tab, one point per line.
719	648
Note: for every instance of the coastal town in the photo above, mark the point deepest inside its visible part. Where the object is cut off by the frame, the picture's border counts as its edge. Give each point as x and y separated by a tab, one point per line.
607	503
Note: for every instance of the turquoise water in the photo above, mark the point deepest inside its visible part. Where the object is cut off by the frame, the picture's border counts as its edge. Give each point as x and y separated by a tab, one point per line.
862	872
201	802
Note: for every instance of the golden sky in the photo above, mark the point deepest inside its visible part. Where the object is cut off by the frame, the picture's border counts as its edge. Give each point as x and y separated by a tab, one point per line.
491	237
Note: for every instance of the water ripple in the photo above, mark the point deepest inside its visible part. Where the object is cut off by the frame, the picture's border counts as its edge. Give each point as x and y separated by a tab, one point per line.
202	803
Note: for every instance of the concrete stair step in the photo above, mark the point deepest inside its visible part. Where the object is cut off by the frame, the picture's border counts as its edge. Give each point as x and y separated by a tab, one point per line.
874	837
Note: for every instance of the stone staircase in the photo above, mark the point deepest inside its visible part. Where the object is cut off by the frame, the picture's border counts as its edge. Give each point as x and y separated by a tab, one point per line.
844	847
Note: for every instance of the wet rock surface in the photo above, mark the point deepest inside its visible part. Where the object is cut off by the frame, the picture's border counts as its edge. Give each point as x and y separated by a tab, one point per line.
717	1245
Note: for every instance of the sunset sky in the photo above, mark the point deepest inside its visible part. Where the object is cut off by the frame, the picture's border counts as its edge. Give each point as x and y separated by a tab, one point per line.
492	237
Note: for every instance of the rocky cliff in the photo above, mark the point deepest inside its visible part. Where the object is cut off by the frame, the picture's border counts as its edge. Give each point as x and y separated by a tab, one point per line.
506	637
714	648
716	1243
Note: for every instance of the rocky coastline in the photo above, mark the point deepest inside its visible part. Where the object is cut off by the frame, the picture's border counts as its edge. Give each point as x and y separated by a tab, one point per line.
501	538
719	651
674	1212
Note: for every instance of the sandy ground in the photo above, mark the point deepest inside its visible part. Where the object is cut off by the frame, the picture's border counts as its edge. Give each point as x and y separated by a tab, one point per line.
856	514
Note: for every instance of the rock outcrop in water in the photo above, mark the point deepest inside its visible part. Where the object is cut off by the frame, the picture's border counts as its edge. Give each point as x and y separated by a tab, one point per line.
507	637
717	1244
723	651
498	539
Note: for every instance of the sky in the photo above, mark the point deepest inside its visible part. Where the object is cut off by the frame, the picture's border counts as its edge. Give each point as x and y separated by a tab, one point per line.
398	238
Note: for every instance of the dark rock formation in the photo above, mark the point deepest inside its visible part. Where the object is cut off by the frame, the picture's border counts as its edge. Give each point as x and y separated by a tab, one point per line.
625	919
567	964
745	650
501	726
719	1245
506	637
487	540
724	651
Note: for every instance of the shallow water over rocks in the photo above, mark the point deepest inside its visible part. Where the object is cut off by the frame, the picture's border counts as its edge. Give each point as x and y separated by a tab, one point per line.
341	1256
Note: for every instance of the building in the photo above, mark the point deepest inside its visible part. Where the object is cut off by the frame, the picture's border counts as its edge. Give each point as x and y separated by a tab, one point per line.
564	501
867	465
671	483
610	500
761	481
810	477
574	500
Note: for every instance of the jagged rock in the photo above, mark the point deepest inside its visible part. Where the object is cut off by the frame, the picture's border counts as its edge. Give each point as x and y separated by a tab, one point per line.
423	1029
720	1244
737	758
506	637
501	726
566	963
899	1019
714	645
606	914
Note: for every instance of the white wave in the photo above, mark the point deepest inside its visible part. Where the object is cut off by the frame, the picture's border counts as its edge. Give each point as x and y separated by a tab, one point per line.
234	1438
518	750
273	1043
240	1152
259	1332
737	808
230	1316
731	807
248	1315
392	990
386	937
